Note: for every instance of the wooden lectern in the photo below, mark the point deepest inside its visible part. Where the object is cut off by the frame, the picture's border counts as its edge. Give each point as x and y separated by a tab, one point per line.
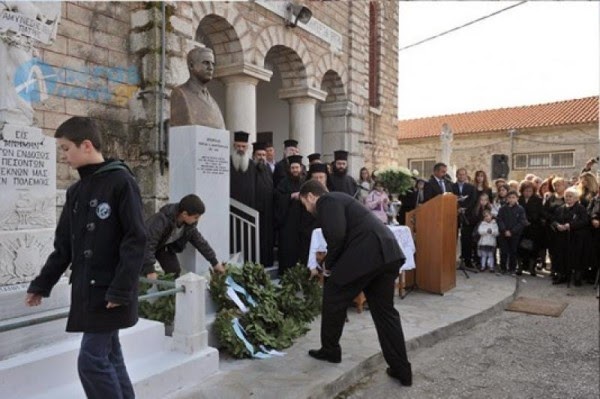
434	226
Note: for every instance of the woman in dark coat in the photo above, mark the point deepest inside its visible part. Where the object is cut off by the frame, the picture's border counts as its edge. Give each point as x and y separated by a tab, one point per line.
532	238
593	260
570	224
552	203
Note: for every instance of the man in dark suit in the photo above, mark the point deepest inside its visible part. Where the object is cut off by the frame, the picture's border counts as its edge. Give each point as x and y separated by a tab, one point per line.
437	184
362	255
467	198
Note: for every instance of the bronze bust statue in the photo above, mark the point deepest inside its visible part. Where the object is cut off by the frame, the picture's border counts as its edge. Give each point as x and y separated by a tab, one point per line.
191	103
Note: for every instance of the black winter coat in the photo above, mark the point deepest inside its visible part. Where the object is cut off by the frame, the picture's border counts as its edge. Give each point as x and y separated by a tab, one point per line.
101	235
512	218
161	225
534	211
357	242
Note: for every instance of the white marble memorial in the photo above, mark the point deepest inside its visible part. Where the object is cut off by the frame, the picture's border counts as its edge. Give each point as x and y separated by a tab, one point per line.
199	164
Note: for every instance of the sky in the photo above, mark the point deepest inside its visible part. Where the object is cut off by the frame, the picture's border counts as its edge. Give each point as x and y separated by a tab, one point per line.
535	53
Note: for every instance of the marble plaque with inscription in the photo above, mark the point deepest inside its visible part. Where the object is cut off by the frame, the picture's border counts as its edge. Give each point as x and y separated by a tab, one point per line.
199	164
28	206
27	179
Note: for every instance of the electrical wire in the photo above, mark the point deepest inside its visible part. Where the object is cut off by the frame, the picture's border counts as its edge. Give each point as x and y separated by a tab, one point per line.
461	26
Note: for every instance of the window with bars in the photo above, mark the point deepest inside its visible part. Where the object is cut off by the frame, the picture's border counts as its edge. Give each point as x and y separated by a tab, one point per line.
423	166
540	160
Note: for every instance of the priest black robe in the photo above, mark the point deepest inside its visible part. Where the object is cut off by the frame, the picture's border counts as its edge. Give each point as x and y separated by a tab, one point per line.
288	214
242	185
264	205
280	172
345	184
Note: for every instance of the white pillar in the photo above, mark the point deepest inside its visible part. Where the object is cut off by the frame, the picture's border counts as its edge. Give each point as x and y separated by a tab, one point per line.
240	82
240	104
302	123
189	333
303	102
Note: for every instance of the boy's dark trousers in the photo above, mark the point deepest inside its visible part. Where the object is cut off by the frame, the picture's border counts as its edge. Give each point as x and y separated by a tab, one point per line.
508	251
167	258
101	367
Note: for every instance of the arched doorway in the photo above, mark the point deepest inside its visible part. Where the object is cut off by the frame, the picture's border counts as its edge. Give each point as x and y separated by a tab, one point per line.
273	112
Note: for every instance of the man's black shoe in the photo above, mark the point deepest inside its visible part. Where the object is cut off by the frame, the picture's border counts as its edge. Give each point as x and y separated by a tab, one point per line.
405	380
327	356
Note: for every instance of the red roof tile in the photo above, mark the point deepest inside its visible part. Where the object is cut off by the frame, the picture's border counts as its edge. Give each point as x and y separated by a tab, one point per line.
569	112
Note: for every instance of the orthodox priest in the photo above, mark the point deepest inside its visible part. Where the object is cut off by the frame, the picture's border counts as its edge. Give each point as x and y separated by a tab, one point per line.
340	180
264	203
288	212
290	147
242	171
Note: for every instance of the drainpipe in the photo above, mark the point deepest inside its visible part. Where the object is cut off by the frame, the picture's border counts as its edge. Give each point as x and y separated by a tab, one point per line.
161	91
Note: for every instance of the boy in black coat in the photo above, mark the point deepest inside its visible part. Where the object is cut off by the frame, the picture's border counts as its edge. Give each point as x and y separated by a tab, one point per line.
169	231
511	222
101	235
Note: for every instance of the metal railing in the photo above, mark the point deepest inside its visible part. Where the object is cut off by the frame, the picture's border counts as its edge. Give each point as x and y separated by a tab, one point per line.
244	229
57	314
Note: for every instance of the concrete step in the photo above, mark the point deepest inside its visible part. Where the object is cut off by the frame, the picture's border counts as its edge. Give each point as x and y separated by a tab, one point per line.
154	376
55	365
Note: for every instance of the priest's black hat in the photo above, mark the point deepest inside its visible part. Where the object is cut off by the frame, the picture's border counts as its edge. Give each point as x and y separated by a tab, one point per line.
240	136
340	155
290	143
295	159
318	168
259	146
314	156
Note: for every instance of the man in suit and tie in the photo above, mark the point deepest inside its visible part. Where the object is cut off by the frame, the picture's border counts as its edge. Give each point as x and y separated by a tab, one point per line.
467	198
437	184
362	255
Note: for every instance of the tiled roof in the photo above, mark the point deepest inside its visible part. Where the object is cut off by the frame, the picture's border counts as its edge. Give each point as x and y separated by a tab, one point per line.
569	112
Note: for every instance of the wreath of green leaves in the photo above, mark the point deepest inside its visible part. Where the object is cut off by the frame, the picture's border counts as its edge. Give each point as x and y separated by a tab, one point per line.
282	313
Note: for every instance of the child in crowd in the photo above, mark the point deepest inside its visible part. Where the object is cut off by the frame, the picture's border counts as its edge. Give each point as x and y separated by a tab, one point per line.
511	222
377	201
486	247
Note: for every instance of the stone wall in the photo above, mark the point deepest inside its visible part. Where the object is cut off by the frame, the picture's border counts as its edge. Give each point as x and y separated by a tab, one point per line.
105	63
88	71
475	151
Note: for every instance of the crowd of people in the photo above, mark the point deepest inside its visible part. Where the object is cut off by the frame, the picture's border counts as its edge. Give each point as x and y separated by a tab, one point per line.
515	227
505	227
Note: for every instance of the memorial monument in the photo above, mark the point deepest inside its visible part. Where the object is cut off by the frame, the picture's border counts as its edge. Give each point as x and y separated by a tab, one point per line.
27	167
199	158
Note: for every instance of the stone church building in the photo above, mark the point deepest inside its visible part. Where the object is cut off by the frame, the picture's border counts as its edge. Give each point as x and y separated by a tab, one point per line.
330	82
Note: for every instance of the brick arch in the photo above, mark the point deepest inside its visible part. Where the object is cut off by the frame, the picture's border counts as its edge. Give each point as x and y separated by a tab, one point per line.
290	66
277	36
334	86
330	63
223	29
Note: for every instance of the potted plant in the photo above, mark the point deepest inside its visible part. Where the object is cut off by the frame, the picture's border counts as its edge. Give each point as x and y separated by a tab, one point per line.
396	179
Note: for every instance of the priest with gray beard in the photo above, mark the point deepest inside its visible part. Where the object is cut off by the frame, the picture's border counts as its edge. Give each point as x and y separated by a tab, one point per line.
242	171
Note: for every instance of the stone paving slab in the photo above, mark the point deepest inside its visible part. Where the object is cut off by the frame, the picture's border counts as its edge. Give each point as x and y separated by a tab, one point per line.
426	319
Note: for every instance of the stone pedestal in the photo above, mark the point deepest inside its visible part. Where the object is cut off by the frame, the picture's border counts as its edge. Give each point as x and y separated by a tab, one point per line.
199	164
